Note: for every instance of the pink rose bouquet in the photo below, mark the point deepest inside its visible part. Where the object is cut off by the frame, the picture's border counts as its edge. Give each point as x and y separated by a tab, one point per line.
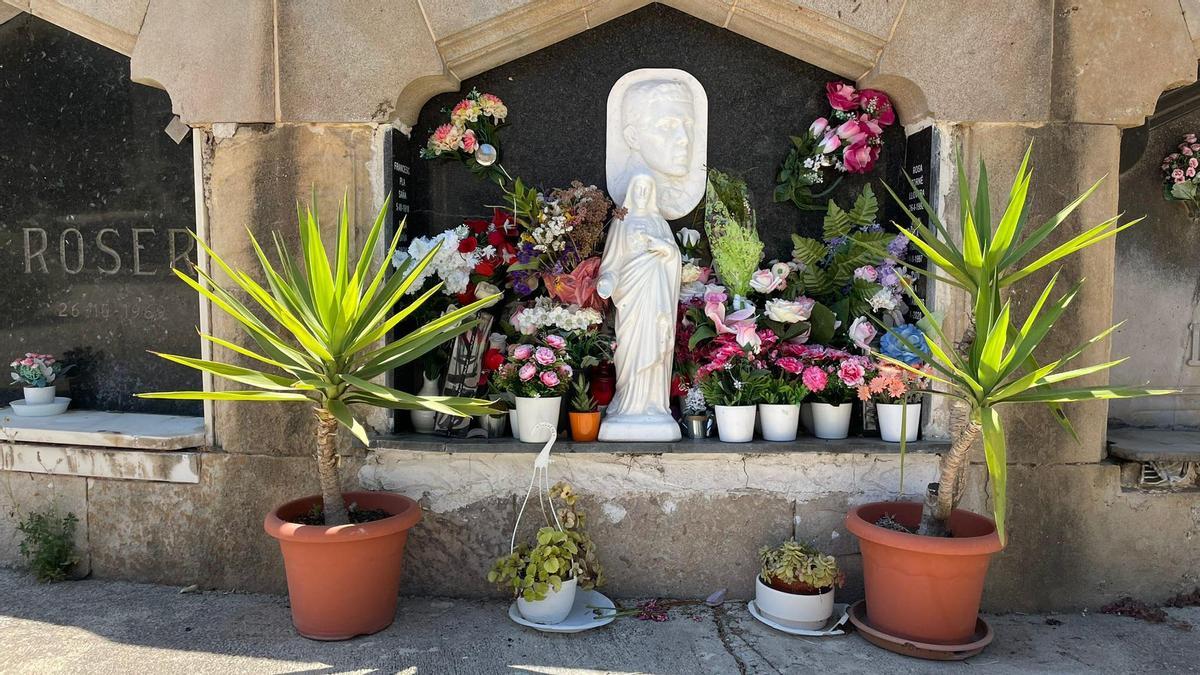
537	370
1181	175
849	140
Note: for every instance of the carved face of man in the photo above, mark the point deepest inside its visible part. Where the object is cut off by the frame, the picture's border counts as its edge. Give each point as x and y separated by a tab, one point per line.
659	127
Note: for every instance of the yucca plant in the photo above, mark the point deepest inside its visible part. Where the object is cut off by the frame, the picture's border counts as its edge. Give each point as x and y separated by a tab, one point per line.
323	325
994	364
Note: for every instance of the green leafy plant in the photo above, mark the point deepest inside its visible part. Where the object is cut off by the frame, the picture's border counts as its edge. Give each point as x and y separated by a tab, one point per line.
581	395
783	389
850	239
324	329
48	544
732	234
740	382
994	364
530	572
799	568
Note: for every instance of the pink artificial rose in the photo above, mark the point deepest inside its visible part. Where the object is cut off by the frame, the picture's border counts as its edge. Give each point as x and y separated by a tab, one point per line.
790	364
781	270
522	352
565	370
858	158
544	356
815	379
527	372
1190	172
842	96
1190	138
556	341
878	105
748	337
818	127
549	378
862	332
1193	162
1187	152
1177	174
853	131
468	141
851	373
27	362
765	281
867	273
830	143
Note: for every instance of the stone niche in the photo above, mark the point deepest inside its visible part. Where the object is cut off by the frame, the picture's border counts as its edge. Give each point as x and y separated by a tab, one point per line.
96	203
1156	275
556	97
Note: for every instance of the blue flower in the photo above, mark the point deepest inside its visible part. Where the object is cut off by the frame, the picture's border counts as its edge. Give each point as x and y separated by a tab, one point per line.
891	346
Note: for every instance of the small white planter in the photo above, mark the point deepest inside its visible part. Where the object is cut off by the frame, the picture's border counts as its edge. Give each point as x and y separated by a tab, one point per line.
735	423
423	420
831	421
554	608
513	423
807	612
534	411
39	395
780	421
890	417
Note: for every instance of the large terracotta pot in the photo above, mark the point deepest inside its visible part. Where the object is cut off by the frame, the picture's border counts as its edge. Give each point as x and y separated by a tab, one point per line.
343	581
923	588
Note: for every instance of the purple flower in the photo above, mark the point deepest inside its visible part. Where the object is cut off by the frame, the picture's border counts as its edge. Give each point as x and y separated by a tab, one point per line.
888	276
898	246
525	253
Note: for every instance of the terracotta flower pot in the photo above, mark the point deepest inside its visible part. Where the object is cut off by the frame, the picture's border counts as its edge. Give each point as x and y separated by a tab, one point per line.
343	581
923	588
585	426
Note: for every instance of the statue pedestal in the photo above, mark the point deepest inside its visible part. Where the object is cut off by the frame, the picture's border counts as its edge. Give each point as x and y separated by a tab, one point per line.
644	428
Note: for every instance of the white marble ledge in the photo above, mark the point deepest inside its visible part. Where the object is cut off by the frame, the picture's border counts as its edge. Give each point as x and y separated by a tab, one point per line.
63	460
133	431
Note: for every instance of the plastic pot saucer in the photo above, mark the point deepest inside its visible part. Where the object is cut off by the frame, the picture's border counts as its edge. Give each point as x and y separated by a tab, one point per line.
921	650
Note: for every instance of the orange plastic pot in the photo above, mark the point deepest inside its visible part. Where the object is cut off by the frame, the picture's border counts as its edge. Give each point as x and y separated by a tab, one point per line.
585	426
344	581
920	588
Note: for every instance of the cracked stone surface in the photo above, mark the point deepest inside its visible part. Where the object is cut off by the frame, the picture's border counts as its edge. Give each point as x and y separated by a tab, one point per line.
112	626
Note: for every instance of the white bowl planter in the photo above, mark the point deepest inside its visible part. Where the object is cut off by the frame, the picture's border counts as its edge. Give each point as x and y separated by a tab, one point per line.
831	421
534	411
735	423
890	417
780	421
39	395
554	608
794	610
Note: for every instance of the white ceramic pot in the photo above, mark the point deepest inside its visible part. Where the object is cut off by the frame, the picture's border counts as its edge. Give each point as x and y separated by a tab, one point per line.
423	420
735	423
806	612
806	422
779	421
831	421
513	423
554	608
39	395
534	411
890	417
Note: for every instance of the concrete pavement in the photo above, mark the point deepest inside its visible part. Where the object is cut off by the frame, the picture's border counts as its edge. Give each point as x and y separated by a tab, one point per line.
96	626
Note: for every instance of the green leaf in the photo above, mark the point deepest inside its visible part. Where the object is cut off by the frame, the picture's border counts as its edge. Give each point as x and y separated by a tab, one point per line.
226	396
1049	395
344	417
996	455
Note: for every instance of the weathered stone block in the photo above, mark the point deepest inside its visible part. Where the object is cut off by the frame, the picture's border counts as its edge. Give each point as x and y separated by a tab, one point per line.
1076	539
25	493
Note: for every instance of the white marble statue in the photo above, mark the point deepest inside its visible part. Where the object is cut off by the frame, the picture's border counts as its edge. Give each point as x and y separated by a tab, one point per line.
640	271
658	125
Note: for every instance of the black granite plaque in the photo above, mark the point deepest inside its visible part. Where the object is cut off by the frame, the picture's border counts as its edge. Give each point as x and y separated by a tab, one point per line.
95	206
920	165
400	155
556	97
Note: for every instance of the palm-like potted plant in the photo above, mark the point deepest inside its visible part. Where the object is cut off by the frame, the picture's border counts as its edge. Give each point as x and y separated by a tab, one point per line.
924	564
585	414
322	326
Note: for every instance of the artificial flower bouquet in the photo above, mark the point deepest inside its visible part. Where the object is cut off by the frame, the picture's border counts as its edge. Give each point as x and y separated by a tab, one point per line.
1181	175
37	370
472	136
848	141
538	370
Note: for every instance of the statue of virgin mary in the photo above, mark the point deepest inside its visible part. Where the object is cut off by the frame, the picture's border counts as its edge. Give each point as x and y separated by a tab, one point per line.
640	272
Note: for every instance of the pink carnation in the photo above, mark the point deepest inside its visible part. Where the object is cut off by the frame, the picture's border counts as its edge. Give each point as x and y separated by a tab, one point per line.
469	143
851	373
815	379
790	364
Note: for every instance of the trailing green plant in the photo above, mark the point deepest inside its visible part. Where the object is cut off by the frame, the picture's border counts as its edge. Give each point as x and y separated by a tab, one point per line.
48	543
531	571
581	395
797	567
994	363
323	327
732	233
